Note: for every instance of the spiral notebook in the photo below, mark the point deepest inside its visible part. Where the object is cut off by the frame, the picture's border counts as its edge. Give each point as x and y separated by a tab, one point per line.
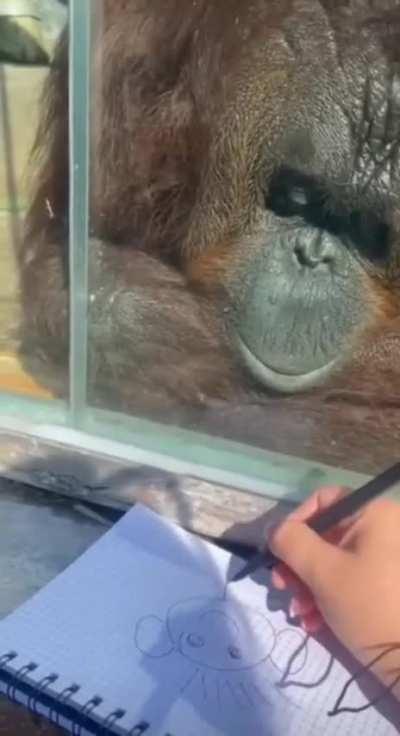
141	635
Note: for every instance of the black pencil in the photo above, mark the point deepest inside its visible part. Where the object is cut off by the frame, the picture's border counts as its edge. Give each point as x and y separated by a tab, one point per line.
336	513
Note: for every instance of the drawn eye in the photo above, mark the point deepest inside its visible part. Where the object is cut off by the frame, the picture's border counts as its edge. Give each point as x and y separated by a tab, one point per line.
234	652
195	640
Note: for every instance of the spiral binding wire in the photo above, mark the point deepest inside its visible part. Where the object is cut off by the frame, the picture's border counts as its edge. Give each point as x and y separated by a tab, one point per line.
20	676
86	710
63	698
42	686
35	698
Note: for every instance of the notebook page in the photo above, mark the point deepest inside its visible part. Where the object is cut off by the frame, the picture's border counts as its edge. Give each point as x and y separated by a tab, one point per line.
144	620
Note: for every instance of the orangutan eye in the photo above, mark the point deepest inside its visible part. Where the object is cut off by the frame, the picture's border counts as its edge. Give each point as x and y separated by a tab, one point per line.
298	196
289	195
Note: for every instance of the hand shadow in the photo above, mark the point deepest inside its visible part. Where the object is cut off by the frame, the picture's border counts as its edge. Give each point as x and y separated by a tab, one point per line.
256	532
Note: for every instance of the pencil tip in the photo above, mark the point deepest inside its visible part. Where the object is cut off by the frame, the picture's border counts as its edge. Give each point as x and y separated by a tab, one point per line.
238	576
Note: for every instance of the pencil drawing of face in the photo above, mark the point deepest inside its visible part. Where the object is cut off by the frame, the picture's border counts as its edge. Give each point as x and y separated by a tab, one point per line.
225	641
217	635
213	633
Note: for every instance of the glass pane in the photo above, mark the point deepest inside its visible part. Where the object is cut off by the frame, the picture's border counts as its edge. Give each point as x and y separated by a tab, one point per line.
30	189
241	276
242	305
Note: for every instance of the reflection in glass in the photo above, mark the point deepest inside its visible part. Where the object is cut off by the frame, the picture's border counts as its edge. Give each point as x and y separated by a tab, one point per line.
27	38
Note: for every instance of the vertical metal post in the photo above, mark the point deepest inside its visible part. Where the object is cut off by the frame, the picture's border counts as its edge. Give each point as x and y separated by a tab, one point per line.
79	125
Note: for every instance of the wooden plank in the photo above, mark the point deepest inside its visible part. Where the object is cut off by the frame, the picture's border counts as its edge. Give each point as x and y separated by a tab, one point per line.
205	508
17	720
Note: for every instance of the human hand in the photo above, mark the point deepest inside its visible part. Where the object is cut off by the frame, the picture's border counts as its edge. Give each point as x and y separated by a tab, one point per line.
349	579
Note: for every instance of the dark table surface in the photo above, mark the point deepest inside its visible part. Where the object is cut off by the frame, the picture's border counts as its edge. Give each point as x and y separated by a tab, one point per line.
40	535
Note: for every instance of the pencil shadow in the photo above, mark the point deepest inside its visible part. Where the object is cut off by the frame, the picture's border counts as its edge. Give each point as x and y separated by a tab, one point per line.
256	530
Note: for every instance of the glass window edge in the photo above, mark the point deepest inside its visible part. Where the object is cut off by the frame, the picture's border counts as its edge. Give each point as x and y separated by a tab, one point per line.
177	451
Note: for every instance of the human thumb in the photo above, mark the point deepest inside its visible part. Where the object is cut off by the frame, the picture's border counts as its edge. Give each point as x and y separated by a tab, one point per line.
305	552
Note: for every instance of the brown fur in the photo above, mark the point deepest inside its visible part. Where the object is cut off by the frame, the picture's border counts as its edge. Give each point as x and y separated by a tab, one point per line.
168	73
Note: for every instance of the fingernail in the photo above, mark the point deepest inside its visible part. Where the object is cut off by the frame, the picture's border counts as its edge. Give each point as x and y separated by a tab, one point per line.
293	609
